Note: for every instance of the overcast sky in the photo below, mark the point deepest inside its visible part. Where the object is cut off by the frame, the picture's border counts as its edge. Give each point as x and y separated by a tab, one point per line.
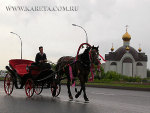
104	21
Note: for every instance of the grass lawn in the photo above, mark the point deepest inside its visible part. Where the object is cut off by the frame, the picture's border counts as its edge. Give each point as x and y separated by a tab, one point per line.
1	78
120	84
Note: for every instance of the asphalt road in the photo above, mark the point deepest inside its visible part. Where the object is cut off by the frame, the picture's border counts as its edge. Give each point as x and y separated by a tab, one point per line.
101	101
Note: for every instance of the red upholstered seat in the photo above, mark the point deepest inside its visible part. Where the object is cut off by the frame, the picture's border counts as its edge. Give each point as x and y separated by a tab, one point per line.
21	69
14	62
20	65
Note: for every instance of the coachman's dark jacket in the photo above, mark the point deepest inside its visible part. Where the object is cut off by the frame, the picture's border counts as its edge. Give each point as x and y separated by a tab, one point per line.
40	57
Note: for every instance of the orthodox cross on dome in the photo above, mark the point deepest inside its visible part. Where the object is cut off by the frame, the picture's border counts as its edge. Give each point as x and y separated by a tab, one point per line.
139	48
126	27
112	49
139	45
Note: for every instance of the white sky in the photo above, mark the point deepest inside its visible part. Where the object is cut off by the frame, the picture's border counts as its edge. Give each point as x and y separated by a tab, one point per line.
104	21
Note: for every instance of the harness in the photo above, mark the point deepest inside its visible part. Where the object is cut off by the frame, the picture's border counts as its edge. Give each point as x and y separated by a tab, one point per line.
91	66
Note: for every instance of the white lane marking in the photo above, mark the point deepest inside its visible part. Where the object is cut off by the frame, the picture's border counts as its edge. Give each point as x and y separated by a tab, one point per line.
73	101
102	93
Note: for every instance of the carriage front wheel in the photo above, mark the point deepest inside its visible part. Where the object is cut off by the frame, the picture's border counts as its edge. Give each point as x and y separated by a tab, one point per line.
38	89
8	84
29	88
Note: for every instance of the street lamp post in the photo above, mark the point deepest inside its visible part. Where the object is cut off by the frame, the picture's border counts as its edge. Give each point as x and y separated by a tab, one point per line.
20	40
84	31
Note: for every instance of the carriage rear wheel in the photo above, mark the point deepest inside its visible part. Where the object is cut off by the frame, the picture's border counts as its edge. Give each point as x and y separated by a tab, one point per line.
55	89
38	89
29	88
8	84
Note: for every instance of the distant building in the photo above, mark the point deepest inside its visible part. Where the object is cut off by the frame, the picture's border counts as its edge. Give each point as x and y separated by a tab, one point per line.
126	60
2	73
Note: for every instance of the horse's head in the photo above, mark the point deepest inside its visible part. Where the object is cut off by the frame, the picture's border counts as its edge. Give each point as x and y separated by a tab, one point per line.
94	55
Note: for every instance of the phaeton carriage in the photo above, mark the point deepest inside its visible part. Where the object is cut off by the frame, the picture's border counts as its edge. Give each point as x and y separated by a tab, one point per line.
24	74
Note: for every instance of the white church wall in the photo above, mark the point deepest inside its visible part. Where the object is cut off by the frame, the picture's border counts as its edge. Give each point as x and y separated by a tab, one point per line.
139	71
128	55
119	67
144	75
127	69
113	68
107	64
134	69
109	67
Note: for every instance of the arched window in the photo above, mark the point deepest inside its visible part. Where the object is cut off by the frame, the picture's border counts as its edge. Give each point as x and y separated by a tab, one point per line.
113	63
139	64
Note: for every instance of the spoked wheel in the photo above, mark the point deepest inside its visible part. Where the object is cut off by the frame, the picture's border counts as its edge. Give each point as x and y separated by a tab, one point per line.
29	88
55	89
58	89
38	89
8	84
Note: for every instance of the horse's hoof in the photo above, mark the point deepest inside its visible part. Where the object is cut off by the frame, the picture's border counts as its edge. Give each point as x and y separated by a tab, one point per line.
70	97
77	95
54	93
86	100
70	100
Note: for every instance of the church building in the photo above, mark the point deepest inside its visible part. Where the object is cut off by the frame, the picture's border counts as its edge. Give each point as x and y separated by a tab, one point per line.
126	60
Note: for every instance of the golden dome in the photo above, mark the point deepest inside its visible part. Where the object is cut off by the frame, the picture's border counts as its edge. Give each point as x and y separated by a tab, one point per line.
126	37
112	49
127	48
140	49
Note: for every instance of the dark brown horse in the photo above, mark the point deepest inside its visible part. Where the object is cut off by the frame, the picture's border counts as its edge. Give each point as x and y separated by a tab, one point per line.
80	68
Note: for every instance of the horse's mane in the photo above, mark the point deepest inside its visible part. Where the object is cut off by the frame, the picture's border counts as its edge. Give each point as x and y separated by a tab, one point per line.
84	57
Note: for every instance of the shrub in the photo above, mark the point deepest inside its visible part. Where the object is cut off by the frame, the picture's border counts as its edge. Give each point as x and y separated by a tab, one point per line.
131	79
145	80
98	75
112	76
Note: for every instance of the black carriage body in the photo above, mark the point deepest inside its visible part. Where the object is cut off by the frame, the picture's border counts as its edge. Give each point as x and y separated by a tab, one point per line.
23	70
33	77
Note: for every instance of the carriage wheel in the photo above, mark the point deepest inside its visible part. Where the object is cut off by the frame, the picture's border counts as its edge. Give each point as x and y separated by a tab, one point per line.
29	88
8	84
55	89
38	89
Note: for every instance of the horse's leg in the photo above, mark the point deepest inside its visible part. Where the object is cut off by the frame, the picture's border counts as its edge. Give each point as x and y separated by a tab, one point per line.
69	91
84	91
82	82
78	93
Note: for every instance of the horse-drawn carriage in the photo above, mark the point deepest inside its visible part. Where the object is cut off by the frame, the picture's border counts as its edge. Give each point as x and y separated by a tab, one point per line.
25	74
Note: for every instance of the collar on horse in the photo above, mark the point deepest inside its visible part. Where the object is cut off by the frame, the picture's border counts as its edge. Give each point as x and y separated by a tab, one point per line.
88	65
